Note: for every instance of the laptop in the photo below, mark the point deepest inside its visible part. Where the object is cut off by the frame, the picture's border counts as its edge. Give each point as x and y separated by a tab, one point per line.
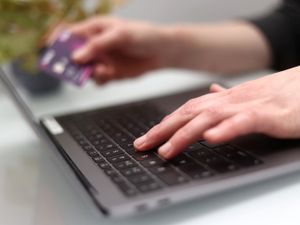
98	147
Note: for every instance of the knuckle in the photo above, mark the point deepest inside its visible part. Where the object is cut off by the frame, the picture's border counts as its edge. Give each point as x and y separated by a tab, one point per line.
188	109
212	111
123	35
122	32
232	95
247	123
251	116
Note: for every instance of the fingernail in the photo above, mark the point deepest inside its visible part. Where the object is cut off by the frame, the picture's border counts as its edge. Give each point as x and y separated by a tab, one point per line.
140	142
165	150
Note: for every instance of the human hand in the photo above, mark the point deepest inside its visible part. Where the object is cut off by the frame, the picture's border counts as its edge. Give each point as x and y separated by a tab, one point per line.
121	49
269	105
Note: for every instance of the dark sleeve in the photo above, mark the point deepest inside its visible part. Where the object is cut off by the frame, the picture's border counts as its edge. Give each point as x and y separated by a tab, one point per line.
282	31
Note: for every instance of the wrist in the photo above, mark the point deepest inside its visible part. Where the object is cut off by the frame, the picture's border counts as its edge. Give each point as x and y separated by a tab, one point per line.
182	46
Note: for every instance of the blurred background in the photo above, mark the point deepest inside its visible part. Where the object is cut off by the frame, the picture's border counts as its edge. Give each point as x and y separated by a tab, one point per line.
22	29
169	11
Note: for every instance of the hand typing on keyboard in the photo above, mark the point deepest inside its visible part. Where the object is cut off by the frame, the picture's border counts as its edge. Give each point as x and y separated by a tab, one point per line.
269	105
107	138
118	49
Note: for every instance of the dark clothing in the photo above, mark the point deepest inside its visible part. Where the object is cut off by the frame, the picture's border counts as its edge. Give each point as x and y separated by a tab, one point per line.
282	30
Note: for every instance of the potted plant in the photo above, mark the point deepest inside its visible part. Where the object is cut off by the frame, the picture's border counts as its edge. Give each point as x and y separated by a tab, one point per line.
24	25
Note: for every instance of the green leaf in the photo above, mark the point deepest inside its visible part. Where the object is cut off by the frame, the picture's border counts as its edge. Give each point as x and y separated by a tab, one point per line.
24	22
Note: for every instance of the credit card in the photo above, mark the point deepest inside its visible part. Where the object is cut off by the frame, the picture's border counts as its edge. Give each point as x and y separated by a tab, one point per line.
56	61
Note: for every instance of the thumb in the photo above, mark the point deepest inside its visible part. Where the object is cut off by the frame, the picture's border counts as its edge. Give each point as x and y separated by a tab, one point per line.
98	45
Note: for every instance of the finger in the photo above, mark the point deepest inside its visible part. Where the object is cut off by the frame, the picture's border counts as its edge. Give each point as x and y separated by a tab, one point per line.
54	31
90	27
200	101
103	73
238	125
165	118
191	132
157	135
216	88
98	45
131	66
163	131
100	74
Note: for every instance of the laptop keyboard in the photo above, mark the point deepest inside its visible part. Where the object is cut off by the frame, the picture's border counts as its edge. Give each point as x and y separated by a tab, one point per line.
107	137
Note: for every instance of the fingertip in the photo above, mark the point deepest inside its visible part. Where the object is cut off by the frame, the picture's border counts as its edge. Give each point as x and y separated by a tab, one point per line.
81	55
136	145
213	135
166	151
218	135
140	143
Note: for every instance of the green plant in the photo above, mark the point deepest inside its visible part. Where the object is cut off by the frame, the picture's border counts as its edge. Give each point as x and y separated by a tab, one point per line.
23	23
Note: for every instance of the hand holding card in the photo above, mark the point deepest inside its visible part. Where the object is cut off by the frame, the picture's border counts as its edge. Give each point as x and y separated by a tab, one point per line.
56	60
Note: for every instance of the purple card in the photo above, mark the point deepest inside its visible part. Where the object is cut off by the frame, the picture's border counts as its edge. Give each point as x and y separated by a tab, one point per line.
56	60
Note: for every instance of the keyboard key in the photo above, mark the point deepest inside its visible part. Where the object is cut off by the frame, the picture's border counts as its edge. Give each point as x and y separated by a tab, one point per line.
181	160
112	152
124	141
142	178
93	153
83	142
199	153
88	148
209	145
196	171
160	169
107	147
217	163
141	156
111	172
125	164
152	162
98	159
118	158
124	186
194	146
132	171
147	187
238	156
171	177
103	165
95	138
127	190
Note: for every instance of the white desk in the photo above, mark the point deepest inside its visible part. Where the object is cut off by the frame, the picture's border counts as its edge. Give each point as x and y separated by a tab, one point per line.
34	191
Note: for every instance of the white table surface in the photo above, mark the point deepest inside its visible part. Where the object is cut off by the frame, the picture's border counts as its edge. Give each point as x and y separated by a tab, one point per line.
33	190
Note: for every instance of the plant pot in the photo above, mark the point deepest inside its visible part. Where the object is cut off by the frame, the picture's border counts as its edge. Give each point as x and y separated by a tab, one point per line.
36	83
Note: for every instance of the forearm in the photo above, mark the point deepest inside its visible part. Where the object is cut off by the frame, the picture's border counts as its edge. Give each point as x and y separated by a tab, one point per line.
227	48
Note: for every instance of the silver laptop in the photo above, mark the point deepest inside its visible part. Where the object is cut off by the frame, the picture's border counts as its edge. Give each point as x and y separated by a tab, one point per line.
97	145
